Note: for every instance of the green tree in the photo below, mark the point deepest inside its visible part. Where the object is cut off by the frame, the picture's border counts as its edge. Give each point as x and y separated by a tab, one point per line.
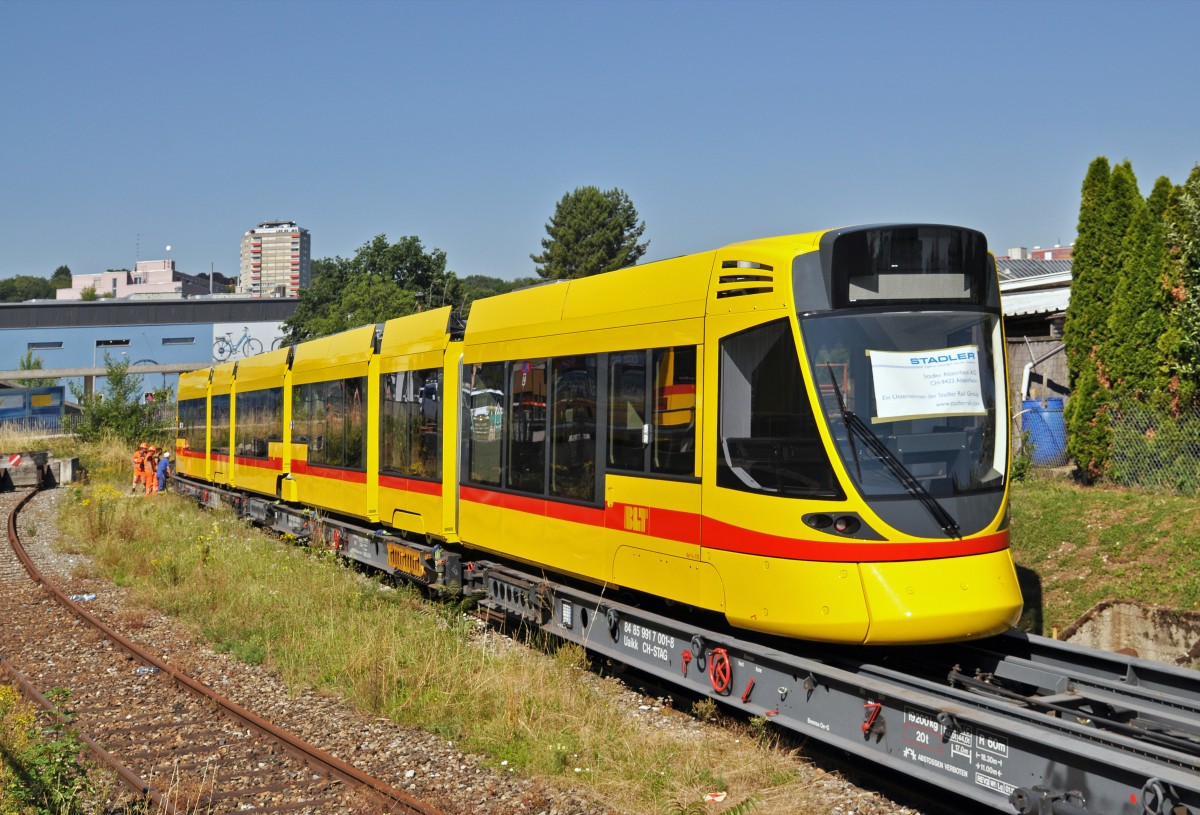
1104	220
1140	305
1079	329
88	293
591	232
1088	257
477	287
119	408
1088	432
29	362
1180	343
383	280
25	287
61	279
365	299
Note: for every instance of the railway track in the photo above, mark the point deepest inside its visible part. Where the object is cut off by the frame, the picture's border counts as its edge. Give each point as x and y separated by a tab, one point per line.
170	738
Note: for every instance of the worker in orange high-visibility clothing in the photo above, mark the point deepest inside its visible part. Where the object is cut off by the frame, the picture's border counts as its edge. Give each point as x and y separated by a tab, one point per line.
138	455
149	465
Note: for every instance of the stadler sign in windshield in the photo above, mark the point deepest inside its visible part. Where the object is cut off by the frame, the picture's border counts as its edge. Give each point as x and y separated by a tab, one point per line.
925	384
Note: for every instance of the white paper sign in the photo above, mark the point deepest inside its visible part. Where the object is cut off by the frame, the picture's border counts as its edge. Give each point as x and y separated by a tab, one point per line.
927	384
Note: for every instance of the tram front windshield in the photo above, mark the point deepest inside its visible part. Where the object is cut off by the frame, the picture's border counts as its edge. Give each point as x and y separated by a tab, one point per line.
922	383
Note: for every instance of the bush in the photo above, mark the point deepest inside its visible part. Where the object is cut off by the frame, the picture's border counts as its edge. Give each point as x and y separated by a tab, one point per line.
40	772
119	410
1022	461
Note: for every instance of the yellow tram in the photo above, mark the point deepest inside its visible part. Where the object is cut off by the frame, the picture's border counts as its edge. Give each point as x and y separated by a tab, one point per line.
806	434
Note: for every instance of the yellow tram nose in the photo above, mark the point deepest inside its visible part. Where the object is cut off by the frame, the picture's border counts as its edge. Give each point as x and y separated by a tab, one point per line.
942	600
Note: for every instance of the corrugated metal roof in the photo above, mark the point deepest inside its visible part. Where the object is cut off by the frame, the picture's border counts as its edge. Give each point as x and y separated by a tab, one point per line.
144	312
1041	301
1018	269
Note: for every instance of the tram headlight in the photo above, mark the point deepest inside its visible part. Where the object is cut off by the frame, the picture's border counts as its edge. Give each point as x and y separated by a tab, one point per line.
846	525
818	521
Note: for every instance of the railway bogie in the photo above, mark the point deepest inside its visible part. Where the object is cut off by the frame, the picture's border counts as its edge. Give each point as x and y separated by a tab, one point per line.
805	434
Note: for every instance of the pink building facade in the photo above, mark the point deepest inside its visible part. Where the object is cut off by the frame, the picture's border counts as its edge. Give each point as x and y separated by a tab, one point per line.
149	279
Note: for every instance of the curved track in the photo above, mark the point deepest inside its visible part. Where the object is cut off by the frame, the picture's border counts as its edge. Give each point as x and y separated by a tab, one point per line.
169	738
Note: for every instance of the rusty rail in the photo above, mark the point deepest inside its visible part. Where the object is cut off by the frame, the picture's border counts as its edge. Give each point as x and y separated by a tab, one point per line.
297	748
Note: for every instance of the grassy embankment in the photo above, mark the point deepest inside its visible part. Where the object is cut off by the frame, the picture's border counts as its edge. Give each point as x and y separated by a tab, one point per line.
392	654
1091	544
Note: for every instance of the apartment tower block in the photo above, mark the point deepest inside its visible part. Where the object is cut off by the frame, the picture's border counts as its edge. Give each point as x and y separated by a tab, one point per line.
276	260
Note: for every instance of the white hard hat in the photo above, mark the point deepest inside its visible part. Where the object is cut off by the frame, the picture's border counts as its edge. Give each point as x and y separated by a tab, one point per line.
167	454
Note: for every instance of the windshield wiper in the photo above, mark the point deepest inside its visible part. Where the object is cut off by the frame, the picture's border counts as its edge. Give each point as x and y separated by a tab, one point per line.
856	426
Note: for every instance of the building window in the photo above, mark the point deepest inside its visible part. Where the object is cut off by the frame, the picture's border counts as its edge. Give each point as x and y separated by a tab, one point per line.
179	341
42	346
112	343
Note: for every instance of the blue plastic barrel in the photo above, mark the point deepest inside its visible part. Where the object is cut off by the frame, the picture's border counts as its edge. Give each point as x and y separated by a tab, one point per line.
1043	421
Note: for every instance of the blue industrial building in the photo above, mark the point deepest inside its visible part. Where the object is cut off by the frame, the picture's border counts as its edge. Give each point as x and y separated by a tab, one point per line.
79	335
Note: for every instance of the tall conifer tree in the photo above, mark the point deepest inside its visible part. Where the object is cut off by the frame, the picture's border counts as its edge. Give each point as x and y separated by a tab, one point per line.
1078	330
1140	306
1180	343
590	232
1087	335
1124	202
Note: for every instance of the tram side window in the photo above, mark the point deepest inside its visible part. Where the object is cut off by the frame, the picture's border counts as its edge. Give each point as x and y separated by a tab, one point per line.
525	465
259	421
660	438
573	416
627	411
220	424
769	440
674	425
330	418
483	405
411	423
192	424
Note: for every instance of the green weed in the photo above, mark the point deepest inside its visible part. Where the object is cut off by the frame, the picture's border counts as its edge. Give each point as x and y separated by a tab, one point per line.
40	768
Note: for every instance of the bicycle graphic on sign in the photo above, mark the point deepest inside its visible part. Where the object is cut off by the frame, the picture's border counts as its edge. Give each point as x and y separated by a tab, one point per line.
225	347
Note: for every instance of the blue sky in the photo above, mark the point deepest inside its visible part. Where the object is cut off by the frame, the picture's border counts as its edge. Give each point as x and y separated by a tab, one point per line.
128	126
